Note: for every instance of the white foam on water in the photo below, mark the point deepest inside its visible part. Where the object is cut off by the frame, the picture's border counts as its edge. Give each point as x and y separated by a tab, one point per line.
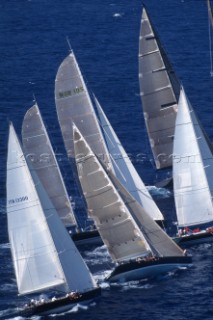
139	284
159	192
8	314
5	246
98	256
16	318
118	15
100	278
181	268
73	309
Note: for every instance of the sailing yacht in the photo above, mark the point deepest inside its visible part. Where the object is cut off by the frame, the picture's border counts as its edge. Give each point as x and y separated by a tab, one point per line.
39	152
74	105
135	242
44	256
159	91
192	177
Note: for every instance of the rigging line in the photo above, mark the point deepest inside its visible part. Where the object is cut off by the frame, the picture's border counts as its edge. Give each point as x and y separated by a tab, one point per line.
210	41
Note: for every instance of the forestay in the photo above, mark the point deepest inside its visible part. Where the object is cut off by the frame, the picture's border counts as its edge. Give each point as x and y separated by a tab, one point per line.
124	169
159	91
118	230
39	152
191	189
44	256
74	105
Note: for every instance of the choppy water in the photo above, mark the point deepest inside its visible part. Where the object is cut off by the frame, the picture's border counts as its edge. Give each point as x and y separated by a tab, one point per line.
104	36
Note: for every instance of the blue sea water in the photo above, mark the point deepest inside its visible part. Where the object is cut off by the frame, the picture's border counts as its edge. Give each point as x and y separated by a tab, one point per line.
104	36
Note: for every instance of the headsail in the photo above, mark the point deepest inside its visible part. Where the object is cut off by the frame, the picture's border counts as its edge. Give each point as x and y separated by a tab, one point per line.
43	254
39	152
118	230
159	91
124	169
192	161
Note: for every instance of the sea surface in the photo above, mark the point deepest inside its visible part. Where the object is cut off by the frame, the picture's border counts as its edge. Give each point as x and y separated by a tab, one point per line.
104	36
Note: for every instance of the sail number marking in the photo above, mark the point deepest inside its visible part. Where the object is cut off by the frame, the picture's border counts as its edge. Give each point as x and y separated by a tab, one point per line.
72	92
16	200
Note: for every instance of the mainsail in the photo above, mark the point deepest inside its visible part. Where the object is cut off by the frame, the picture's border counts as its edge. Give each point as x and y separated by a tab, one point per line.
192	168
159	91
118	230
124	169
39	152
73	104
43	254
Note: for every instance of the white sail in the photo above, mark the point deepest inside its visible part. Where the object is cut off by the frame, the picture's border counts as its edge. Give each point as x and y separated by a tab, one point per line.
113	220
193	198
74	105
38	150
43	254
159	91
206	149
161	244
124	169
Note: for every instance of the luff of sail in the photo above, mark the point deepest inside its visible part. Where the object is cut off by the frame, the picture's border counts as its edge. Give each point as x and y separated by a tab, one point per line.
193	198
38	150
124	169
73	104
159	91
43	254
118	230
